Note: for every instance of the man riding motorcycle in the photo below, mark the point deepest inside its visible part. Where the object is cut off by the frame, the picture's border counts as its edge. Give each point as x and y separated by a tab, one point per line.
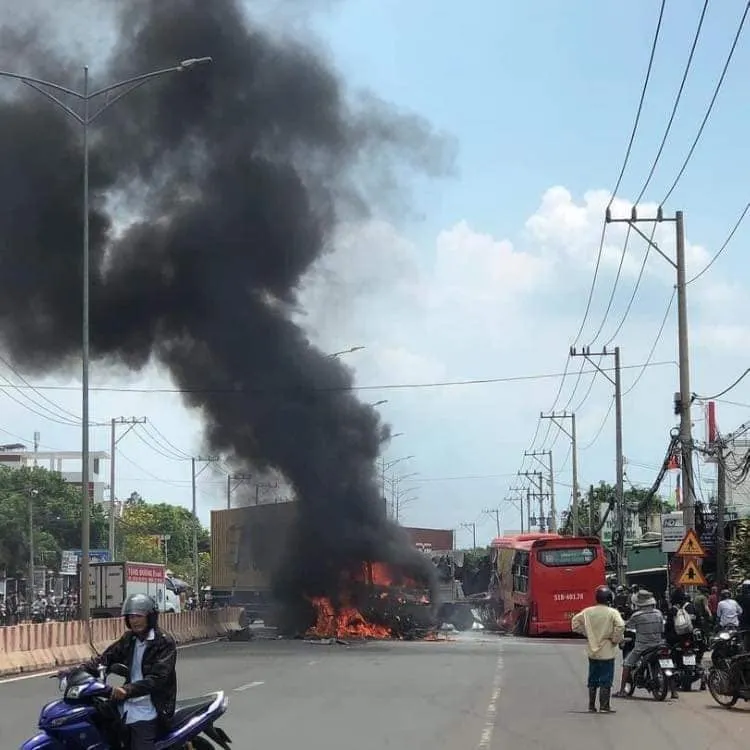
648	623
148	699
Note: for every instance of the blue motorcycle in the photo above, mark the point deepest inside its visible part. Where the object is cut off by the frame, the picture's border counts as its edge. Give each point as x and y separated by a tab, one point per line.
87	719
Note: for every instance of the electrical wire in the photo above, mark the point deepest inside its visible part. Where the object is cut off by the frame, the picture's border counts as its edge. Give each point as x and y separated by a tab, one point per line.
730	387
159	437
659	333
601	426
706	117
652	170
625	161
723	246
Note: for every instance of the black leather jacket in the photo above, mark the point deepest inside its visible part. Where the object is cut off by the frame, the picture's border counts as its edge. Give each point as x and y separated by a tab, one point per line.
159	673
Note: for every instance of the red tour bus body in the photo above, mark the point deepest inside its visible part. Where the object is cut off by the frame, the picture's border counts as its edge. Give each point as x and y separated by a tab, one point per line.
541	580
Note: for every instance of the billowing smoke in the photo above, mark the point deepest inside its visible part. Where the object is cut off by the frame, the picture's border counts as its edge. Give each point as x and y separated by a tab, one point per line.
232	179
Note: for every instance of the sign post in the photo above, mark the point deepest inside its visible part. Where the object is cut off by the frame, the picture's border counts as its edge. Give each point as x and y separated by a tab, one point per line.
691	551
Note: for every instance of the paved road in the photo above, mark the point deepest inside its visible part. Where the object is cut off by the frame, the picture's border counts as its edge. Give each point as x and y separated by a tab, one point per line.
477	692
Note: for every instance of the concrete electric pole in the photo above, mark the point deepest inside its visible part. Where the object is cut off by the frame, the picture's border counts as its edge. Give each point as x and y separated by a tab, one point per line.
678	264
557	419
196	523
552	523
131	422
618	536
240	479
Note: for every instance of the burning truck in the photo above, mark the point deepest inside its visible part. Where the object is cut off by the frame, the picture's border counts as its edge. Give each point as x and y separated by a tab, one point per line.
374	600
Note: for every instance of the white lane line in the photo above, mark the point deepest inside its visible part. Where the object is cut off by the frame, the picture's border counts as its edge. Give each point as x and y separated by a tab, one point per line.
249	685
21	677
490	716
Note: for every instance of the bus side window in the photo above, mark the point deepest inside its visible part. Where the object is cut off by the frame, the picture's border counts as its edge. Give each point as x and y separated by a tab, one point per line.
521	572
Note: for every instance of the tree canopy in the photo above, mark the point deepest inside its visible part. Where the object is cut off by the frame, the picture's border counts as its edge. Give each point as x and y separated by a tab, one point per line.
56	510
142	529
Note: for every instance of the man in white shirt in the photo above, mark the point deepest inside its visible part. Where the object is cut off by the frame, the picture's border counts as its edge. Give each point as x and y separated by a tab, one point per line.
728	611
603	627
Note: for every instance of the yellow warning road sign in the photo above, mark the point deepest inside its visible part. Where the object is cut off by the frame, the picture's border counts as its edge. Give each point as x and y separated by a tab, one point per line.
692	575
690	546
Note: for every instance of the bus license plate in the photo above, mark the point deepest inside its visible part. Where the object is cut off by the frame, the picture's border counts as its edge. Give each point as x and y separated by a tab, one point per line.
688	660
666	663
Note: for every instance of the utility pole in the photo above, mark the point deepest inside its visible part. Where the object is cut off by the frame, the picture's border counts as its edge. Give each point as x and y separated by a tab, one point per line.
552	525
685	397
535	476
239	478
518	498
721	504
557	419
618	536
495	513
196	523
473	528
30	586
132	422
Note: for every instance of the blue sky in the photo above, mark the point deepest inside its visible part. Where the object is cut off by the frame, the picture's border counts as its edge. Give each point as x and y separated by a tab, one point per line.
490	275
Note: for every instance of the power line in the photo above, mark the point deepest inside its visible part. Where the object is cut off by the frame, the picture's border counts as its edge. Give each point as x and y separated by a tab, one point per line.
706	117
625	161
726	390
647	182
351	388
723	246
648	363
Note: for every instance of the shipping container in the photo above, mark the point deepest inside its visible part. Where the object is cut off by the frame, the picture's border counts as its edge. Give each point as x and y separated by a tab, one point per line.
110	583
247	545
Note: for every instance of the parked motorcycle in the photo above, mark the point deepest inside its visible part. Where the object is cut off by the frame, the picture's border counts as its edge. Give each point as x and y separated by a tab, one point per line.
654	672
687	654
726	644
87	718
731	682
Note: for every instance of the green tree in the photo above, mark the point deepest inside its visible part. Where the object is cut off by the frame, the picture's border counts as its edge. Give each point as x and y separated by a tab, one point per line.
738	555
56	510
143	523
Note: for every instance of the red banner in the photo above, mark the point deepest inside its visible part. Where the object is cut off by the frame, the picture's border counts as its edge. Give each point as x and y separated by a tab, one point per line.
144	573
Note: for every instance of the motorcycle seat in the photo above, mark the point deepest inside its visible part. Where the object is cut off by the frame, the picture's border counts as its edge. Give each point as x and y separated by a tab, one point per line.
189	708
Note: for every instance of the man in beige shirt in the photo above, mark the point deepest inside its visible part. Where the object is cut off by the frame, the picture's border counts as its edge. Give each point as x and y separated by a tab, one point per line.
604	628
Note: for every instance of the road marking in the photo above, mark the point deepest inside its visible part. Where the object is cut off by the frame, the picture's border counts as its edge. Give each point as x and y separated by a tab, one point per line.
485	741
312	663
21	677
248	686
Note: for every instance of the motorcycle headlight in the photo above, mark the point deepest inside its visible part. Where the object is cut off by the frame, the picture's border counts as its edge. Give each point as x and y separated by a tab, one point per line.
73	692
724	636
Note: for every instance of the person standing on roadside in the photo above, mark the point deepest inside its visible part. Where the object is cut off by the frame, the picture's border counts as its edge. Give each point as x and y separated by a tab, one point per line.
604	628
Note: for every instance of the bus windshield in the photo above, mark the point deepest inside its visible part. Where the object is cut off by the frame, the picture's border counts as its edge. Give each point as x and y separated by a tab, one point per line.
566	556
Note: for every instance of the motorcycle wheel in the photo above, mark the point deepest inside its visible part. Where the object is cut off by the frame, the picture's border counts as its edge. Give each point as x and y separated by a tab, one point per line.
659	684
716	681
630	687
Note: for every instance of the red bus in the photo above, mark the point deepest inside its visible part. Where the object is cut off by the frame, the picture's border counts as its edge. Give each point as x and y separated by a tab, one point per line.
539	581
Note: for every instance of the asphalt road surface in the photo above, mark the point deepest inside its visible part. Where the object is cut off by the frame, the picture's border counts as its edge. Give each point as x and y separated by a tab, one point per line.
474	692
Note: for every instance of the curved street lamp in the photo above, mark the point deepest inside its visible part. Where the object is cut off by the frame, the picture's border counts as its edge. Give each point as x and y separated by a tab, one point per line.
85	119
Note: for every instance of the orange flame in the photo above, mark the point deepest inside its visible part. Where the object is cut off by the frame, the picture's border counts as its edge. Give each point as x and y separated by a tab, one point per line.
348	622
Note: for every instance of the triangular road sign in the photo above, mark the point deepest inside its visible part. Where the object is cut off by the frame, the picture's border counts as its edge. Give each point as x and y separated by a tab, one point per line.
691	576
690	546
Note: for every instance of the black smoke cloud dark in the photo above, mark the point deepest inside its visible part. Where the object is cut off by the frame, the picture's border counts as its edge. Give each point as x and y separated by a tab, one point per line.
237	175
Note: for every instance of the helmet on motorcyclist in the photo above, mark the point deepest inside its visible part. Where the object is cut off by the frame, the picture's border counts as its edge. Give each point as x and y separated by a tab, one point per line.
725	594
140	604
620	589
603	595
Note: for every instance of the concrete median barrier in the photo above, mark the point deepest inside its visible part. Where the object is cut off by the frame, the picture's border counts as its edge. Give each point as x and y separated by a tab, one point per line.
41	646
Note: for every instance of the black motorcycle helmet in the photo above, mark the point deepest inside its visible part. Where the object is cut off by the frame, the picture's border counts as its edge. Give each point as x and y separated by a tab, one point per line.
603	595
141	604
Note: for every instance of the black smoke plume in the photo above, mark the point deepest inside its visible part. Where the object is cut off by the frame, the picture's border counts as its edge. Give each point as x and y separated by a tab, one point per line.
232	179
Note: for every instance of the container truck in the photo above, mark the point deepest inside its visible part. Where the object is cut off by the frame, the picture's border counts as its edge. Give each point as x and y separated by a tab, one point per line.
110	583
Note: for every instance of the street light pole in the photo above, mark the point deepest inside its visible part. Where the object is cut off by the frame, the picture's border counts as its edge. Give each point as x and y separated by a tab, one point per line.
85	120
